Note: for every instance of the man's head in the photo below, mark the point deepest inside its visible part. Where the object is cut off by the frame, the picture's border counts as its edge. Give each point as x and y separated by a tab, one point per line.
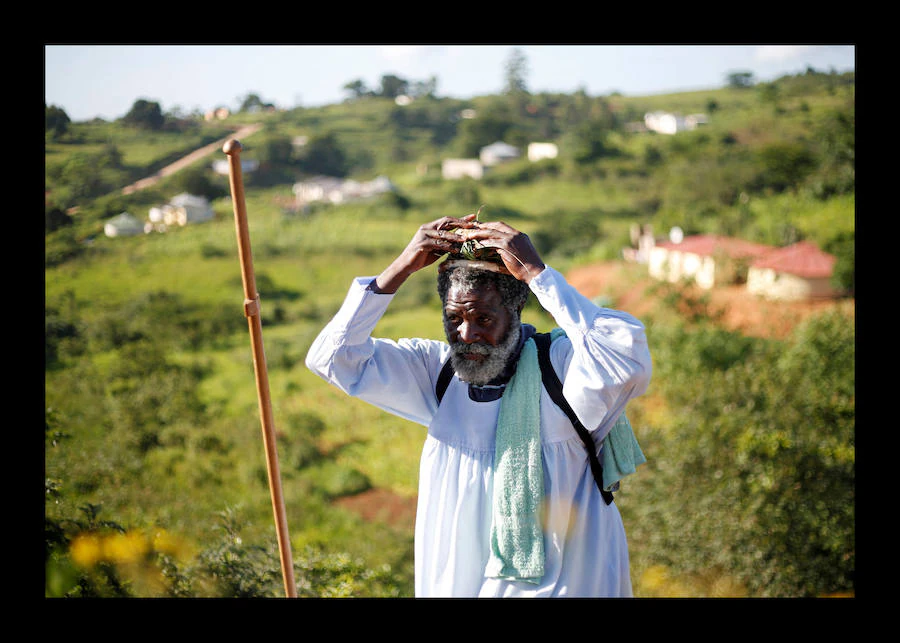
482	316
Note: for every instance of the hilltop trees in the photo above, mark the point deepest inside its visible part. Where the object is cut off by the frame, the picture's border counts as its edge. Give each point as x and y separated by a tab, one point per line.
56	120
145	114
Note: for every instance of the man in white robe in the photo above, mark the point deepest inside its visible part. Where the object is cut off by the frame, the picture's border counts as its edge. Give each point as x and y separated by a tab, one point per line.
603	361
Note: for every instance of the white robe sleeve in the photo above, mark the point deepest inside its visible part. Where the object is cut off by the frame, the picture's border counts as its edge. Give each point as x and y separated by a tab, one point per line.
603	361
396	376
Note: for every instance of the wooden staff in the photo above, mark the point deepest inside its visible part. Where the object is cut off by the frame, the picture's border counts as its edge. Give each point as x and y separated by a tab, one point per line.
251	310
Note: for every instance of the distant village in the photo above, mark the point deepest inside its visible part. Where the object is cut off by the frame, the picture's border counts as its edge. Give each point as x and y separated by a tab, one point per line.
798	272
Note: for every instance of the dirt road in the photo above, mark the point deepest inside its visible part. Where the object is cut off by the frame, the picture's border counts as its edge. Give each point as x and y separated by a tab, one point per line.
191	158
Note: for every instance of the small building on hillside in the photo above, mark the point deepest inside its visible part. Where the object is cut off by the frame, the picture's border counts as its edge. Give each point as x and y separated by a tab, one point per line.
497	153
318	188
707	259
670	123
181	210
540	151
798	272
190	208
452	169
123	225
331	189
220	166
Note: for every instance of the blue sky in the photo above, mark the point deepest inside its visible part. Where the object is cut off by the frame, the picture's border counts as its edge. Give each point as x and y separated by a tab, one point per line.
105	80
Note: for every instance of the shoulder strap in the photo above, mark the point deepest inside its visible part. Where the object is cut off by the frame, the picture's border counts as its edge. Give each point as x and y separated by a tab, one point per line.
554	389
443	380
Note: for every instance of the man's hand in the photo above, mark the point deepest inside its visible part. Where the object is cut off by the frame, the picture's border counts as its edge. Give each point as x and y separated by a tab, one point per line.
431	242
515	248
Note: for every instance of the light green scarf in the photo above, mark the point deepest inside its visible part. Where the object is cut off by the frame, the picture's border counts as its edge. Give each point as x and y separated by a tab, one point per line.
517	540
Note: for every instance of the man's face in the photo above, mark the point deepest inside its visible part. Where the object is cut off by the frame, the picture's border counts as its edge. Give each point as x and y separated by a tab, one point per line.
482	333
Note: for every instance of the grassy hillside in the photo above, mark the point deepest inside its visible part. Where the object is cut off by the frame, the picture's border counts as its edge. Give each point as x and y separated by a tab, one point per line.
152	426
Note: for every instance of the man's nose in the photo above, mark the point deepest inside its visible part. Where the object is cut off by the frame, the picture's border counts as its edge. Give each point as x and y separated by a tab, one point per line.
468	333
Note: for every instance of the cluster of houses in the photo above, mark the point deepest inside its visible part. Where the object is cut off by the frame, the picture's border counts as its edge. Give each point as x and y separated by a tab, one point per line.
492	155
330	189
798	272
181	210
663	122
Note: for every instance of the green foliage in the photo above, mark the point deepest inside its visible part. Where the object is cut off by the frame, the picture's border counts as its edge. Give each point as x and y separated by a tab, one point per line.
145	114
843	246
107	561
56	120
199	181
323	154
755	475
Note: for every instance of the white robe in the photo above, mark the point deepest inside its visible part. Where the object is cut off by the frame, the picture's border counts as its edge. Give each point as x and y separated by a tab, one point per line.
603	362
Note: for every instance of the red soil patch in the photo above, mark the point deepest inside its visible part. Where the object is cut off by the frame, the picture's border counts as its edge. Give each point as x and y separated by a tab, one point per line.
382	505
628	286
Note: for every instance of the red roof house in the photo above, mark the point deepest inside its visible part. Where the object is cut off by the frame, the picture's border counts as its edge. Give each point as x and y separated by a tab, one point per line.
706	258
797	272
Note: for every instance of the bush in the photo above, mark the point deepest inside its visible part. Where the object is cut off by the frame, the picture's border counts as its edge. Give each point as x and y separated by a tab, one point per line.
755	476
99	559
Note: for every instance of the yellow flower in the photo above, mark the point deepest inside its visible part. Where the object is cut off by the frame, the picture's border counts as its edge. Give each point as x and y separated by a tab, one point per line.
129	547
86	549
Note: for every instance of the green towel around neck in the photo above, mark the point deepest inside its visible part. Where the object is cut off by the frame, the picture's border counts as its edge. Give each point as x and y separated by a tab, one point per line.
517	540
621	453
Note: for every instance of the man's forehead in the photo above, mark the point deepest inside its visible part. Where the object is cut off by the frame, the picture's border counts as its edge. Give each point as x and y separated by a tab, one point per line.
480	295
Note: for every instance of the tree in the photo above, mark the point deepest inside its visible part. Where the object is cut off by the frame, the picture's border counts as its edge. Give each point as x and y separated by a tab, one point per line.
844	248
56	119
324	155
253	103
393	86
516	69
740	79
492	125
424	88
357	88
145	114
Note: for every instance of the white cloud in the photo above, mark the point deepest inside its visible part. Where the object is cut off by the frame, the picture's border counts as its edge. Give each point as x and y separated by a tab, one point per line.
401	53
780	53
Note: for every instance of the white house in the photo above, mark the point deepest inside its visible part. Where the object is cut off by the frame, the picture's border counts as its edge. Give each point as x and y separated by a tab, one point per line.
539	151
220	166
670	123
498	152
460	168
123	225
334	190
187	208
796	273
707	259
181	210
664	122
319	188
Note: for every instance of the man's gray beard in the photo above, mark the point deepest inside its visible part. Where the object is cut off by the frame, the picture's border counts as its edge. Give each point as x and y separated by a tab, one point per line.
496	357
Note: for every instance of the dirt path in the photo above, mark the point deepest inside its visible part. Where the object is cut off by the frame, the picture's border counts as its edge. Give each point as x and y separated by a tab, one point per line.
191	158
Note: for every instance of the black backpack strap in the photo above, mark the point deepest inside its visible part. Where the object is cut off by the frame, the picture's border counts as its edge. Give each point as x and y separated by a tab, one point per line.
554	388
443	380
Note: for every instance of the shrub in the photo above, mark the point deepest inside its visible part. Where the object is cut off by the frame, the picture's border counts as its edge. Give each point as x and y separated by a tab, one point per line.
755	476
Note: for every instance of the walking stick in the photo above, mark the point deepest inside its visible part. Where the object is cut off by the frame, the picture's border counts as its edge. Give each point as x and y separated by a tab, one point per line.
251	310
